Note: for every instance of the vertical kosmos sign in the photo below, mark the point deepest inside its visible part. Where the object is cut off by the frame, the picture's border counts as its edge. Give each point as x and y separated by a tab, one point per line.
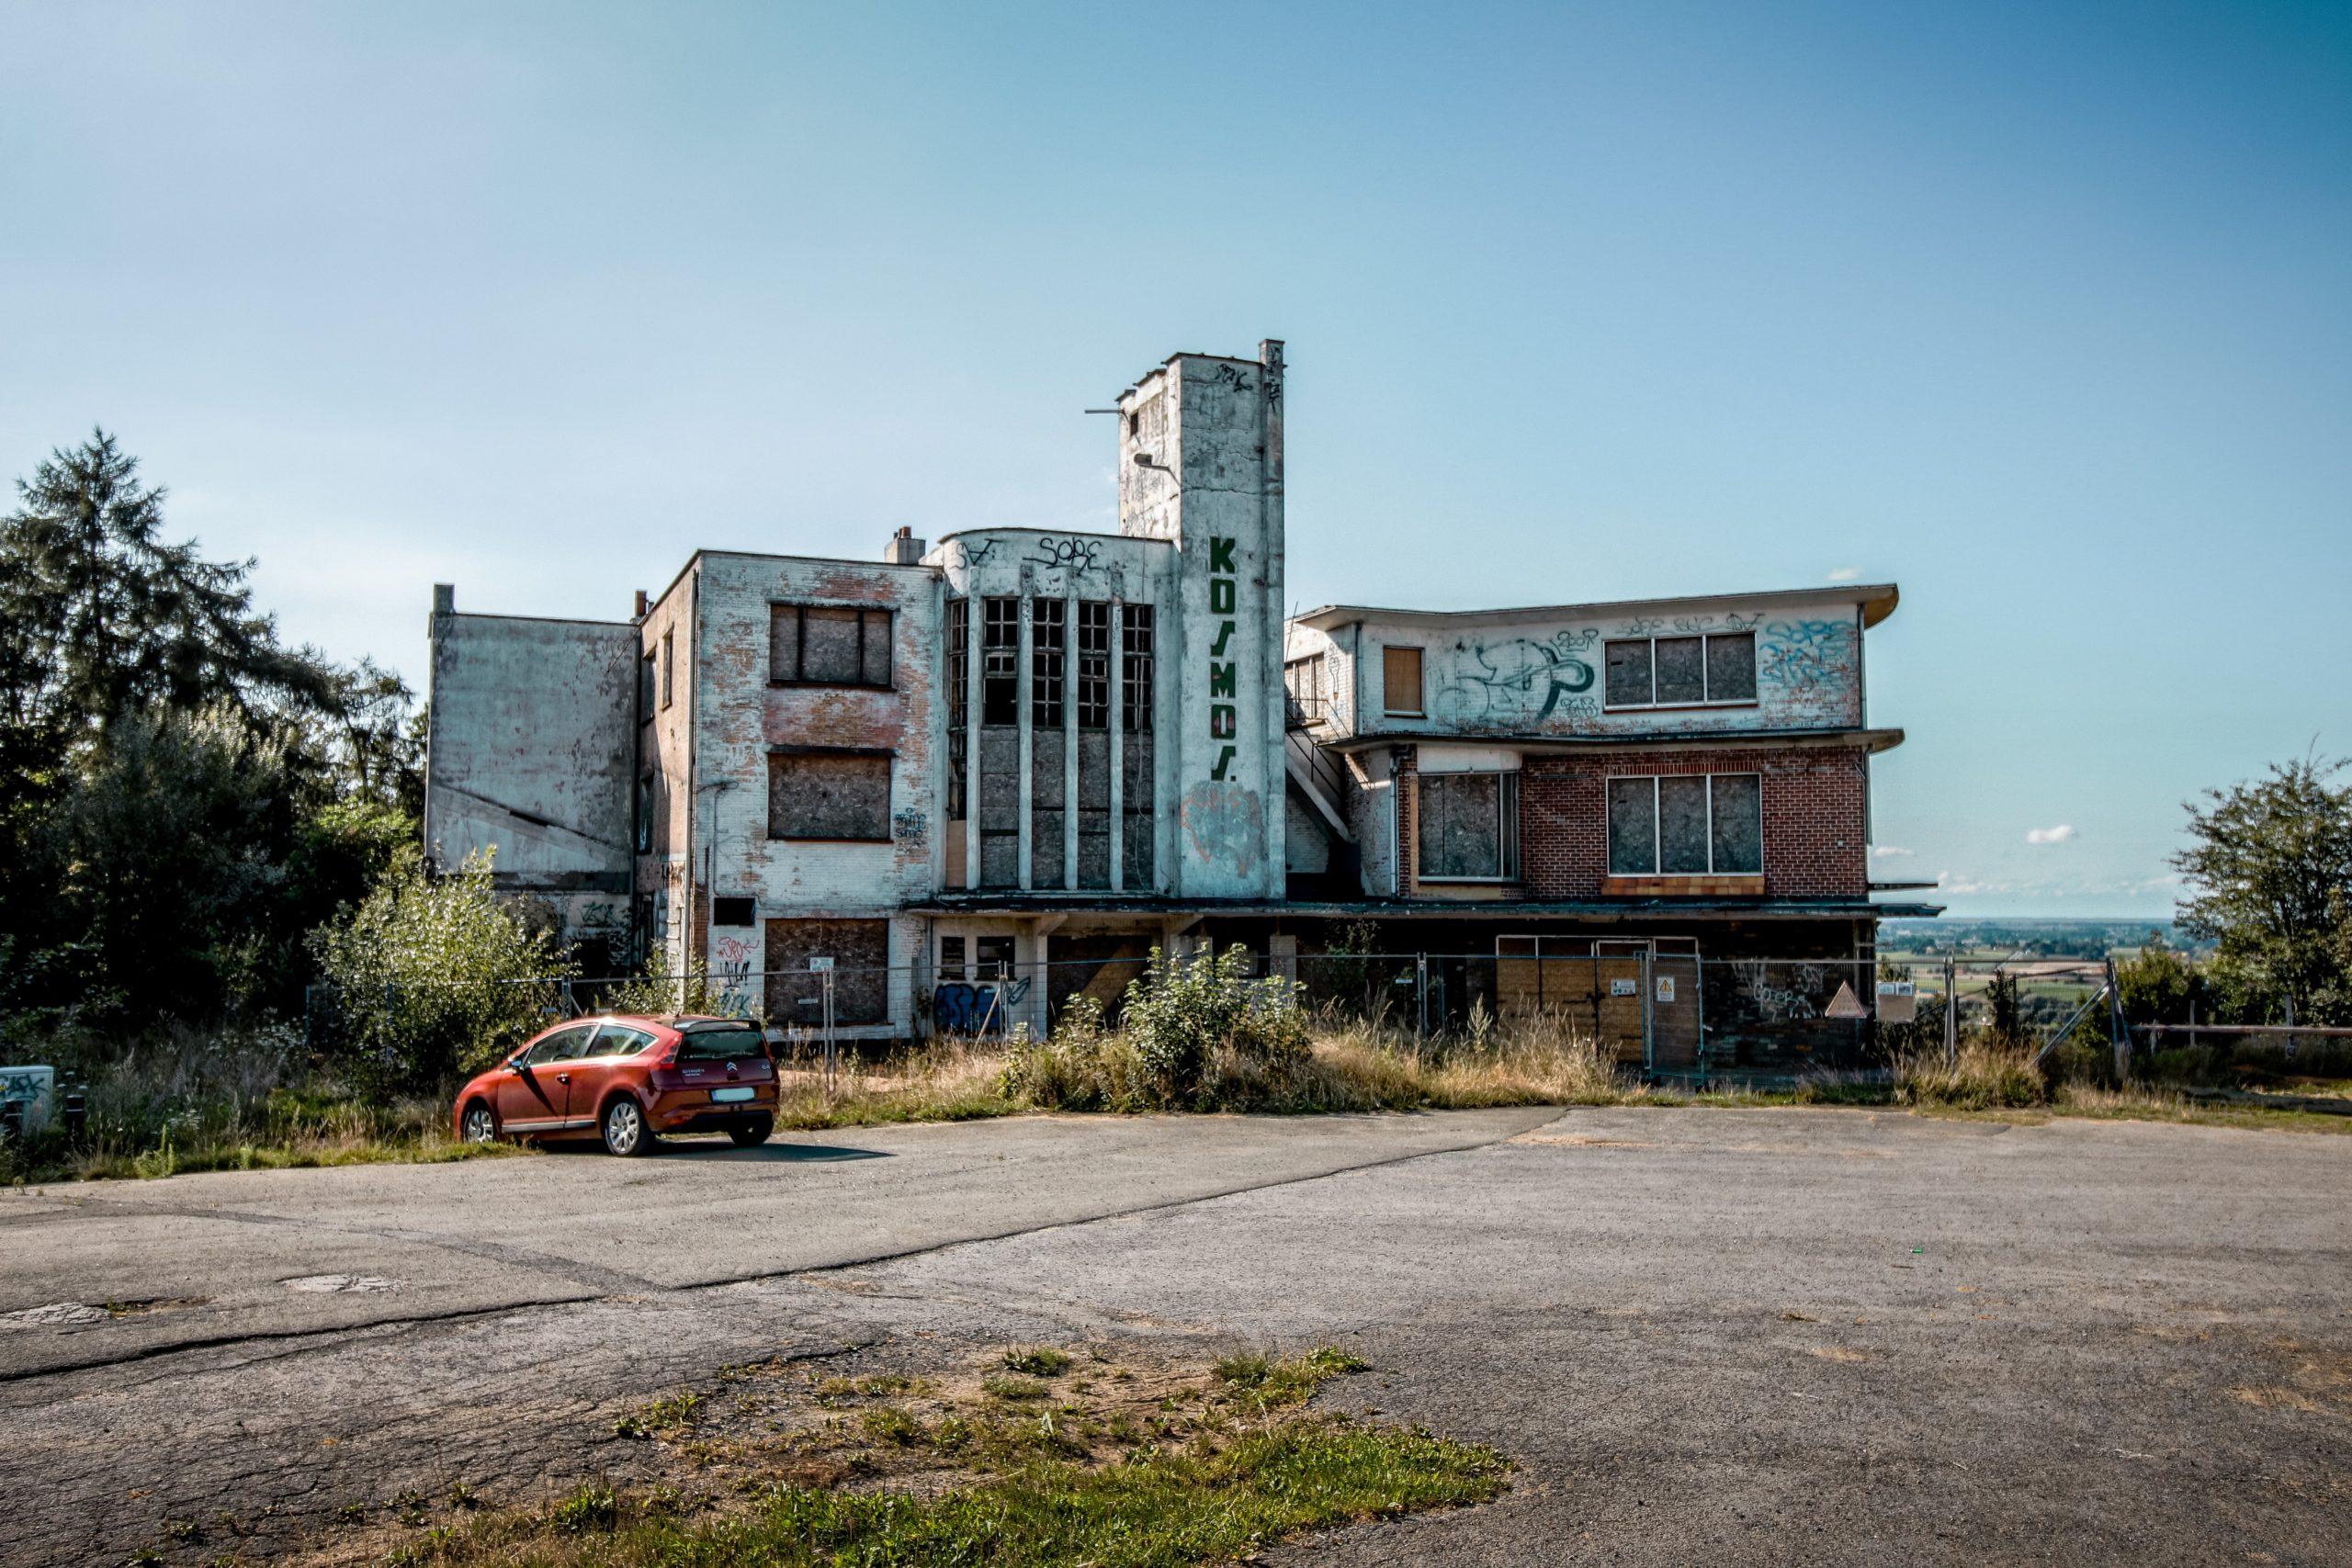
1223	685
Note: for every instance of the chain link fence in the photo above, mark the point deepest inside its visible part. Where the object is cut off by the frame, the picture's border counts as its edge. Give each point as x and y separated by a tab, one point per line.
1674	1016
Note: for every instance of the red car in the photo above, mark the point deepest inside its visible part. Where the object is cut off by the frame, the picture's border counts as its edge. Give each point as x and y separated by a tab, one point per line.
628	1080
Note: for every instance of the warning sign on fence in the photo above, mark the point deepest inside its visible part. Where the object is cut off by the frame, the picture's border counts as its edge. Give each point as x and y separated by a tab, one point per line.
1898	1001
1845	1004
1666	988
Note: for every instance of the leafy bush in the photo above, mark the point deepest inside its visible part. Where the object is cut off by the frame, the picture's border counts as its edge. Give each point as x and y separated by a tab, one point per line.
428	970
1194	1020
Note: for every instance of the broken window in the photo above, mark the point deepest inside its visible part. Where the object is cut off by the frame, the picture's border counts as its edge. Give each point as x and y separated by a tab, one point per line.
830	795
1681	671
1135	672
1400	680
828	644
951	958
1303	681
1468	827
959	698
1000	661
1094	664
992	958
1045	653
1686	825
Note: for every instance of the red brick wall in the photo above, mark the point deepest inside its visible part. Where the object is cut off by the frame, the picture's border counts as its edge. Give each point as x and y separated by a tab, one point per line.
1814	816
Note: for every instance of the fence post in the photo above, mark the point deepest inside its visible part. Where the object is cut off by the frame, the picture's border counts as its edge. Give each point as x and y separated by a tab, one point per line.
2118	1032
1952	1013
1421	995
1649	1032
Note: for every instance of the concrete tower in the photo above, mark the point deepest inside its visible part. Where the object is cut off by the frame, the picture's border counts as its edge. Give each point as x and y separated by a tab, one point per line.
1201	466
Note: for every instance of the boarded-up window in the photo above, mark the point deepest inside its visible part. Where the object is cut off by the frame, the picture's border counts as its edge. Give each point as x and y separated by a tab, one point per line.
1683	826
1739	812
1468	827
1632	827
1681	671
1686	825
1400	684
828	644
861	953
1731	669
1629	674
829	794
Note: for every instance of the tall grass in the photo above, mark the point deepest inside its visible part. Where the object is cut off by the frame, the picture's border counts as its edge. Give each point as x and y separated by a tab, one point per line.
184	1099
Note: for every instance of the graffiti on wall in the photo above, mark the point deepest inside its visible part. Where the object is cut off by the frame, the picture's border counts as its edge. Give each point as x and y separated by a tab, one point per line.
733	960
964	1007
1522	685
910	826
1808	663
1224	824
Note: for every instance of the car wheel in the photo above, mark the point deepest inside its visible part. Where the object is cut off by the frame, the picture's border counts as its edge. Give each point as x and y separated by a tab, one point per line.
625	1132
480	1125
752	1133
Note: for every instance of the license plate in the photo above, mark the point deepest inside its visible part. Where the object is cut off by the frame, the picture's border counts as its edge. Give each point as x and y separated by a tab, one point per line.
729	1096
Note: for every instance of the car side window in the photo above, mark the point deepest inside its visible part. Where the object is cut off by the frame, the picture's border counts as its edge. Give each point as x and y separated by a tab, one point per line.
560	1046
620	1040
575	1045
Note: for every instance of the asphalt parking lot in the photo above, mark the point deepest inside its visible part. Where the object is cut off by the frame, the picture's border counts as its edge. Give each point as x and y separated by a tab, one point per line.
1754	1336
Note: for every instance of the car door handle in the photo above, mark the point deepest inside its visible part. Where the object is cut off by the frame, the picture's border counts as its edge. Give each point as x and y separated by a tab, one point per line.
563	1077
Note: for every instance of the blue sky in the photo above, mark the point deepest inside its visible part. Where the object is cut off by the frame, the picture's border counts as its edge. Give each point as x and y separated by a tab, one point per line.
2043	311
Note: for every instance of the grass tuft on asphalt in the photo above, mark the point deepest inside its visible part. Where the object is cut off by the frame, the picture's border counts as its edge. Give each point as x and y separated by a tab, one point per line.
1119	1468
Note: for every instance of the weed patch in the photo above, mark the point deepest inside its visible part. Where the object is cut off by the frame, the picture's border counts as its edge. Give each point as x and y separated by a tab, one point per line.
1149	1466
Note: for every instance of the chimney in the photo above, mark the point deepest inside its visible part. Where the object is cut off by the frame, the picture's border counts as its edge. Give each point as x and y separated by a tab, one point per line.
445	598
641	604
904	548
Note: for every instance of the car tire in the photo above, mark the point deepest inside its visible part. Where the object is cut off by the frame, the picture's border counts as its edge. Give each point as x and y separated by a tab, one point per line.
752	1133
479	1124
624	1129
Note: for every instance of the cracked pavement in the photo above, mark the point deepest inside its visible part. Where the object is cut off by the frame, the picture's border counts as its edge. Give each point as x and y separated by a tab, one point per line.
1768	1337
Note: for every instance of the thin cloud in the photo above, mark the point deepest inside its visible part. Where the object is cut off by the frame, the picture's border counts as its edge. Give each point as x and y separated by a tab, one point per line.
1846	574
2058	835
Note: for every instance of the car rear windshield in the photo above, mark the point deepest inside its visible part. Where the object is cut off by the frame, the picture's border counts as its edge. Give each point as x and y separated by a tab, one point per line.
718	1041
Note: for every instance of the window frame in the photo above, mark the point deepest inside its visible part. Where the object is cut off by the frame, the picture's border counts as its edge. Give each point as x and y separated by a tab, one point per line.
865	614
1048	661
1420	709
669	665
1092	675
890	795
1658	828
1000	619
1507	847
1138	668
1609	705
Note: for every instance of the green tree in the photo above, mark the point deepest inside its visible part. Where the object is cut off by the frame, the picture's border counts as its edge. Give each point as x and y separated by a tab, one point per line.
182	798
427	971
2269	867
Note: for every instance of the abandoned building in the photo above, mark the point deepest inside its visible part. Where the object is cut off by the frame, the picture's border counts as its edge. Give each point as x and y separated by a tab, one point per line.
987	775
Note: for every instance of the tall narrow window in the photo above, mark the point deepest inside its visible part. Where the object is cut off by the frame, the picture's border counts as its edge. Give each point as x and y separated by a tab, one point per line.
1135	672
1046	651
669	667
1400	683
1093	664
959	700
646	687
1000	661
